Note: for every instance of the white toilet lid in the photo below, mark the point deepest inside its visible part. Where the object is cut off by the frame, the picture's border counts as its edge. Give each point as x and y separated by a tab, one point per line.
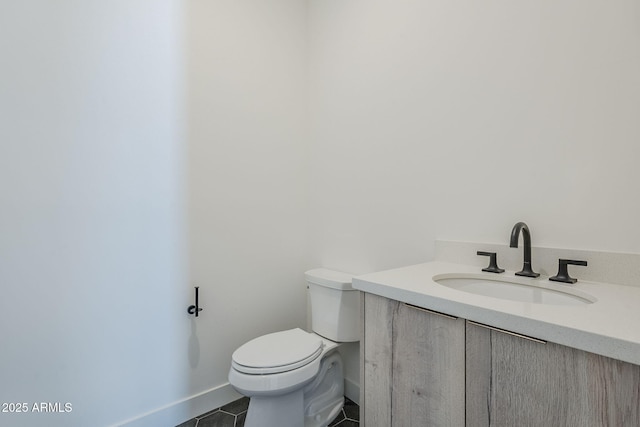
277	352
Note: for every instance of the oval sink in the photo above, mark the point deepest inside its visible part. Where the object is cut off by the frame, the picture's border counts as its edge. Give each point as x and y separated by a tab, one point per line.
514	289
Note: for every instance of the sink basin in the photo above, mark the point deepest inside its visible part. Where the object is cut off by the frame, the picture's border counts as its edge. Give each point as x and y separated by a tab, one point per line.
515	289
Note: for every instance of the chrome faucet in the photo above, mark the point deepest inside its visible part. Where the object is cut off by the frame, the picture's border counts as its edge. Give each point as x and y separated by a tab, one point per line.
515	234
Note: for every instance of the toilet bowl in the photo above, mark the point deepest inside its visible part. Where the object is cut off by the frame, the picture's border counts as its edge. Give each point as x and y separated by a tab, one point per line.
295	378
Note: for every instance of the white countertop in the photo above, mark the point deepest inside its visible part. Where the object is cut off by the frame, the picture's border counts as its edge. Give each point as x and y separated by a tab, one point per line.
610	326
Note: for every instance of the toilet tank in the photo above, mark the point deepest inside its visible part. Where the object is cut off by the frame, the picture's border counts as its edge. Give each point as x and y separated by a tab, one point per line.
335	305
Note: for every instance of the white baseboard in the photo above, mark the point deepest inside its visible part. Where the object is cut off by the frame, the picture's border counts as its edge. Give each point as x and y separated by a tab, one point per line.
178	412
352	390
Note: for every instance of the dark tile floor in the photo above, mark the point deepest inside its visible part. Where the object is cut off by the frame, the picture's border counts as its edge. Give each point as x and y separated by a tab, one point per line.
349	417
233	415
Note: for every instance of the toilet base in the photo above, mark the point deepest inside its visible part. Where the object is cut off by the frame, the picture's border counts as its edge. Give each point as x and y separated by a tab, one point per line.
313	405
285	410
324	396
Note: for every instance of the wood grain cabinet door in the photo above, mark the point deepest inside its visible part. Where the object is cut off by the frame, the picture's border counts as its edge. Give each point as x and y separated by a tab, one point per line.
428	369
514	381
413	364
376	359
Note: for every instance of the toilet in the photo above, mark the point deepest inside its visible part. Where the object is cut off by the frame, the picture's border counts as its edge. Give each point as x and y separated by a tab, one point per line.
295	378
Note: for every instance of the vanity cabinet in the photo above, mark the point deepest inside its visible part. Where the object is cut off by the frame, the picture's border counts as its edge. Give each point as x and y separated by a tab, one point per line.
421	368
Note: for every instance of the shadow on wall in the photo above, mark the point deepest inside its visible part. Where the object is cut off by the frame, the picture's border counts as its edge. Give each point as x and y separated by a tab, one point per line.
194	346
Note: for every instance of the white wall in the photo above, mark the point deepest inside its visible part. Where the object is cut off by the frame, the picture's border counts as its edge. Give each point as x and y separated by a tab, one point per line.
456	119
247	175
147	147
93	253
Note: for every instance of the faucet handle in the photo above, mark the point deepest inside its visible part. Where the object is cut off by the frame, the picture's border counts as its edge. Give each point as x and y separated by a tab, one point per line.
563	272
493	262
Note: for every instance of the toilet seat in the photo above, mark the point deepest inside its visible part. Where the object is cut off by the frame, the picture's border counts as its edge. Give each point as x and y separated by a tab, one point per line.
277	352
